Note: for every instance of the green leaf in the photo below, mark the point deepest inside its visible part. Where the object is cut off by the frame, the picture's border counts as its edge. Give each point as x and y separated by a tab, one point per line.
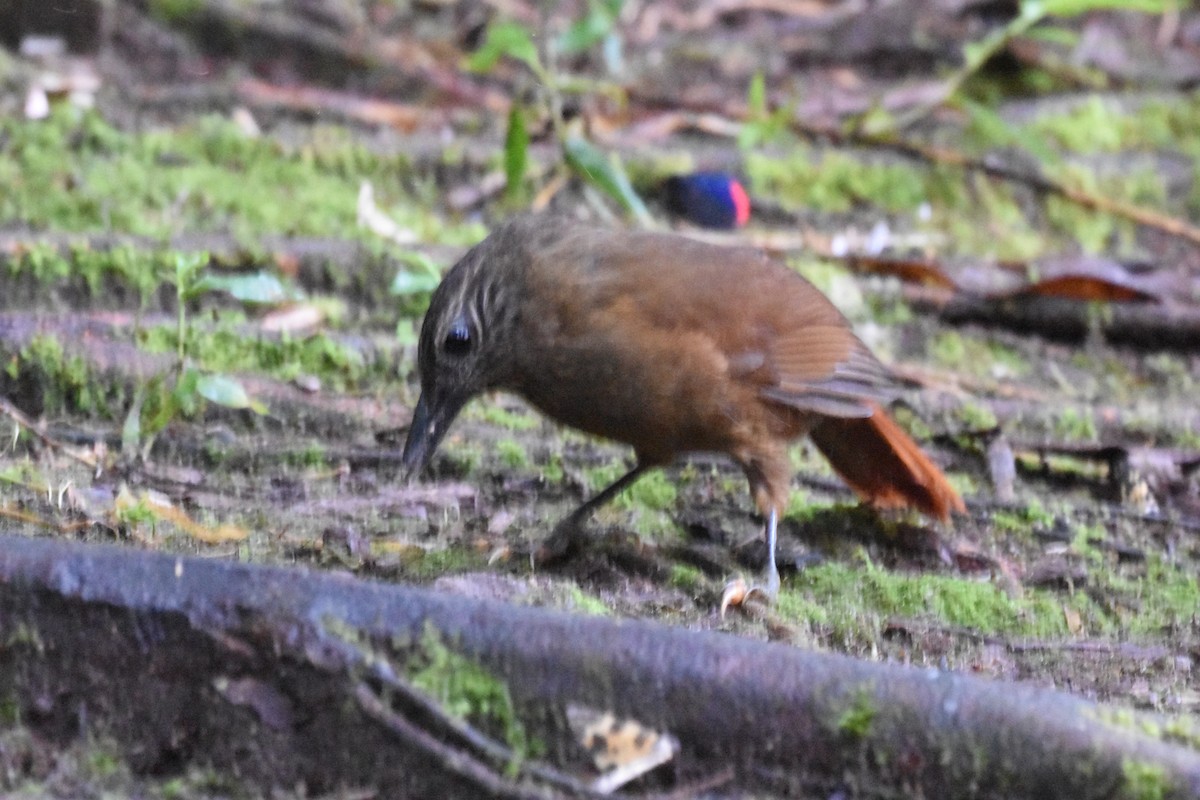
185	396
262	288
423	278
187	266
1029	10
505	39
761	125
407	332
226	391
407	283
750	135
420	261
975	53
596	24
1059	36
605	173
516	150
131	430
1073	8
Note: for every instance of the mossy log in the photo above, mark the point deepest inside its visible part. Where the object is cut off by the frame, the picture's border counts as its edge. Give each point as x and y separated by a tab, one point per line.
285	677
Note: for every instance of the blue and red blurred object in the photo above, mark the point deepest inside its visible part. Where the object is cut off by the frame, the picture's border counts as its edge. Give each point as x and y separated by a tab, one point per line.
707	199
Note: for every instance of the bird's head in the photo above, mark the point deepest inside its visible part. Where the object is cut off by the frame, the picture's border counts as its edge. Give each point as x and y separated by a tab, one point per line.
466	339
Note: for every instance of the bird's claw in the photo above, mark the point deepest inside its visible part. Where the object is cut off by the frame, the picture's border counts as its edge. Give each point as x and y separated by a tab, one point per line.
737	593
562	541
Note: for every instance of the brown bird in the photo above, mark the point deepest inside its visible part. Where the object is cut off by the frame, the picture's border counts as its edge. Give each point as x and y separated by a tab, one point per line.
672	346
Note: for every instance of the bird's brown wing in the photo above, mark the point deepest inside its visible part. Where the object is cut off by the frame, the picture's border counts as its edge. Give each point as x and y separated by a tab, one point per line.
776	329
826	369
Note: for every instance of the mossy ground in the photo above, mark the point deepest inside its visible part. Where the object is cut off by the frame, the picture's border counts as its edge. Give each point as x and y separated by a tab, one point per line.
509	458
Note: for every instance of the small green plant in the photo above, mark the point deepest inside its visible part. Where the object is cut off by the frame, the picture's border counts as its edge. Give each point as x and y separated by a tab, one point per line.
175	10
576	599
414	285
185	388
762	125
552	470
1031	21
1023	520
578	156
516	152
977	417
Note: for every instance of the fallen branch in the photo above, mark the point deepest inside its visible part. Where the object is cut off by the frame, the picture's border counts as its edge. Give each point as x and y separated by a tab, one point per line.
1150	325
160	631
994	168
88	458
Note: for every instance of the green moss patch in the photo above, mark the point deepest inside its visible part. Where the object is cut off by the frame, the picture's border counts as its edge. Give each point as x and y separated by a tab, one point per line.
465	690
229	349
835	181
76	172
855	601
978	356
59	381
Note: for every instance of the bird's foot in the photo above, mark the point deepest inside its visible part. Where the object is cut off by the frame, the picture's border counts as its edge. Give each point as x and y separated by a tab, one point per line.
738	592
567	535
563	541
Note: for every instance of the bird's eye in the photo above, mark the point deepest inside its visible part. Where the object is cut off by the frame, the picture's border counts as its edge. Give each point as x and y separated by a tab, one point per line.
458	340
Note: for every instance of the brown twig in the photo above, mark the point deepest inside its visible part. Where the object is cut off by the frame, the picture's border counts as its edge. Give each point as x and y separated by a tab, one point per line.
994	168
944	156
16	415
8	512
451	759
473	738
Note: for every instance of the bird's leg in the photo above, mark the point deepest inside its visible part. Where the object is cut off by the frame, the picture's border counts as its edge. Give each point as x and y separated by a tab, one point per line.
737	591
566	533
769	473
771	573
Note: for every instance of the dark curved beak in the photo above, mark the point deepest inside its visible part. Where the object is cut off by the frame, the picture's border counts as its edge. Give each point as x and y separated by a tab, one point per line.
431	419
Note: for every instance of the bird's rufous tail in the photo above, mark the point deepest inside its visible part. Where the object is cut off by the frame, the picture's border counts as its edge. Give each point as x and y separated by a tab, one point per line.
884	465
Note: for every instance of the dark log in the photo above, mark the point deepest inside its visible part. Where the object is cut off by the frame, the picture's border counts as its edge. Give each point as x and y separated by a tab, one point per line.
1147	325
285	676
